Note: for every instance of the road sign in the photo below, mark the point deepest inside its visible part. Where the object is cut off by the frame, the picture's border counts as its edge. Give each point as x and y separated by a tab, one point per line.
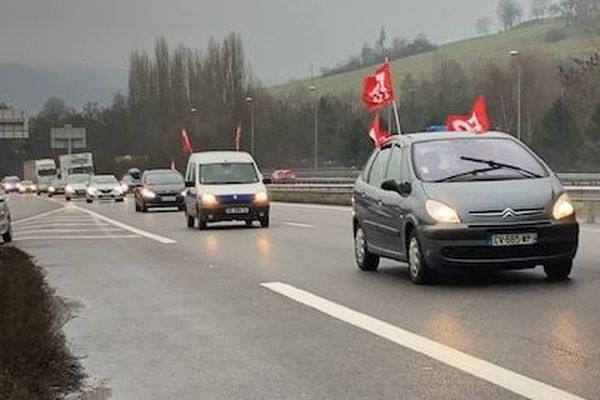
13	124
68	137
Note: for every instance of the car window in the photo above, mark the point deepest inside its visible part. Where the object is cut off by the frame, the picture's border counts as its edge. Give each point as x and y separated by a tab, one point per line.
78	178
368	165
397	166
163	179
379	168
191	175
102	180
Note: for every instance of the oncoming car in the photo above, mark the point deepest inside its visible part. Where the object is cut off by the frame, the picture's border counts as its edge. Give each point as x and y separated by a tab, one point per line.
10	184
76	186
103	187
160	188
5	222
461	200
27	187
224	186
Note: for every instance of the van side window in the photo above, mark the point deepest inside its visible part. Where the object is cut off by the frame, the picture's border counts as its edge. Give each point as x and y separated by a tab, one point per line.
192	173
377	175
396	168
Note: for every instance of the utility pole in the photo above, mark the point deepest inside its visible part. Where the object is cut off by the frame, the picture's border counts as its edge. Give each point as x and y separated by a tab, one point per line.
250	102
313	89
515	54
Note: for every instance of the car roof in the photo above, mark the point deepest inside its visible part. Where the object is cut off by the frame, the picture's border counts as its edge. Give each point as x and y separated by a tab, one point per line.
104	176
428	136
161	171
211	157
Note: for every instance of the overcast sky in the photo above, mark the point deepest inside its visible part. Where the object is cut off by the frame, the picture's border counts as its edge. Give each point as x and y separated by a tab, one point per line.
282	37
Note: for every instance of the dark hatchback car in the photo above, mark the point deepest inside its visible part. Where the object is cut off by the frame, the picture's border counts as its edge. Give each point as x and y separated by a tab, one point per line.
464	201
160	188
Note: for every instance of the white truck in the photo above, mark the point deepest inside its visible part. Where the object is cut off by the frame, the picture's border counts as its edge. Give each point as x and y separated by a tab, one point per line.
40	172
81	163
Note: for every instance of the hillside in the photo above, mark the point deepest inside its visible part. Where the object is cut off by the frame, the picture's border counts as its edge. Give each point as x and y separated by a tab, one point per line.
494	46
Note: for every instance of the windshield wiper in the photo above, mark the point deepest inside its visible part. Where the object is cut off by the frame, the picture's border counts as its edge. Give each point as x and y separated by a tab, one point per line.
467	173
498	165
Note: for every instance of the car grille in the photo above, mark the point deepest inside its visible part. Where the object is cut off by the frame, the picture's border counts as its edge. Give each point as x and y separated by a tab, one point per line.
498	253
106	191
507	216
236	199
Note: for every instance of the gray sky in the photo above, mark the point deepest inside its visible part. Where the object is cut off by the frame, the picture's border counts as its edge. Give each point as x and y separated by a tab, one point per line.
282	37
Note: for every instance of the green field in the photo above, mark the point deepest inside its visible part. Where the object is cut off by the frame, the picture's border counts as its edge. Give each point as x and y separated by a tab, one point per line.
466	52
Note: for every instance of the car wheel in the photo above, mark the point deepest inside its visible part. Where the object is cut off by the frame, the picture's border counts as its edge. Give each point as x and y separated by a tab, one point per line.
417	267
119	200
181	207
7	236
49	196
249	223
264	221
202	223
191	221
559	270
365	260
143	207
89	201
67	198
137	207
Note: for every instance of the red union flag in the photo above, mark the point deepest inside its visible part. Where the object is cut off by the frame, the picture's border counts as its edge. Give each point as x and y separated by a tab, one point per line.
376	133
477	121
238	137
378	90
186	145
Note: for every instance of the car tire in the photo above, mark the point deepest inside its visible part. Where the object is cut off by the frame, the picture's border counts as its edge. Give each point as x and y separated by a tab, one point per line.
89	201
202	224
119	200
143	207
181	207
50	196
559	270
137	207
264	221
67	198
191	221
249	223
418	270
7	236
365	260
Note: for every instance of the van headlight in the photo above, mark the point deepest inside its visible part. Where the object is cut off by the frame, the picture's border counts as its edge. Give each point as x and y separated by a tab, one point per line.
563	207
208	200
261	197
69	189
441	213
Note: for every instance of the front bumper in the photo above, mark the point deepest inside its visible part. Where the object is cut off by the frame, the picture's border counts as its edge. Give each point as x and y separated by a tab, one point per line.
105	196
225	212
165	201
469	247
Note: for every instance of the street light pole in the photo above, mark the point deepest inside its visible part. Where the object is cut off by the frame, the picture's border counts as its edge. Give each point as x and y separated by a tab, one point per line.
515	54
313	89
250	101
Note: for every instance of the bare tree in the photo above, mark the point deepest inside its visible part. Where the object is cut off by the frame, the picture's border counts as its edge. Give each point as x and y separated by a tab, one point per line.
539	9
509	13
483	26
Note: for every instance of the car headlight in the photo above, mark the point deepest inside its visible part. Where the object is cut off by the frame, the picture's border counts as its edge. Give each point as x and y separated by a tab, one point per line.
563	207
208	200
92	190
124	187
441	213
261	197
69	189
33	187
51	189
147	193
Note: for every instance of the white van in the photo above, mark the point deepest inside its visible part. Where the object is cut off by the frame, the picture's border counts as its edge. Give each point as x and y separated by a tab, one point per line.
224	186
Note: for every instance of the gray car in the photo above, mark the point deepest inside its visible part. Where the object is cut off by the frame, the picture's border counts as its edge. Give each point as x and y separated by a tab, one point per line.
465	201
104	187
5	221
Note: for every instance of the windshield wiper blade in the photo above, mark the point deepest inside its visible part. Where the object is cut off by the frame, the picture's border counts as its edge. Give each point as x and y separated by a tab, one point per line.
467	173
497	165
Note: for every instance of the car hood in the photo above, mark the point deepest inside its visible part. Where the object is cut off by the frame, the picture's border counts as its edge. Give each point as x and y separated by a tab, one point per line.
247	188
105	186
482	196
166	188
78	186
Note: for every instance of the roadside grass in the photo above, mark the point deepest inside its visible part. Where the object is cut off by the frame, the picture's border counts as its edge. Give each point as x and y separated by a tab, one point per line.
494	47
35	361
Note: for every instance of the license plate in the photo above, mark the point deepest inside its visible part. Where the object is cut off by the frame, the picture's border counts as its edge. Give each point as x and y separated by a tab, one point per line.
514	239
237	210
169	198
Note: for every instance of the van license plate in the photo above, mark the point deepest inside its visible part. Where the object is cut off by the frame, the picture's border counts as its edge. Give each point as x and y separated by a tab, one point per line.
237	210
514	239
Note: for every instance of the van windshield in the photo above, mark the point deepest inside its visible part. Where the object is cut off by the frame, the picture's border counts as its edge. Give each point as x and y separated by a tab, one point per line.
227	173
474	159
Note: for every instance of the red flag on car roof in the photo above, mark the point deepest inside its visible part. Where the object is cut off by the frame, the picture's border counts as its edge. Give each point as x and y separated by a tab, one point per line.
238	137
378	90
186	145
477	121
376	133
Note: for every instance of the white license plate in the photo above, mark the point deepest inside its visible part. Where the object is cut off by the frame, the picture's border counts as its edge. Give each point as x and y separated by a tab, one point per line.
237	210
514	239
169	198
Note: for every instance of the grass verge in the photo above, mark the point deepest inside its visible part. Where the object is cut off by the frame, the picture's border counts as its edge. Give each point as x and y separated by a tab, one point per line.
35	361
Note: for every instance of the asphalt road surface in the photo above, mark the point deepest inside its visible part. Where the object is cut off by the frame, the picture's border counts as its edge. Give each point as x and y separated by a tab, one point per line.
167	312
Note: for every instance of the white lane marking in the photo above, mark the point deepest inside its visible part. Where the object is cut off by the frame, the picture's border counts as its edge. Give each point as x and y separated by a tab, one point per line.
137	231
297	224
63	224
517	383
586	229
77	237
47	231
314	206
38	216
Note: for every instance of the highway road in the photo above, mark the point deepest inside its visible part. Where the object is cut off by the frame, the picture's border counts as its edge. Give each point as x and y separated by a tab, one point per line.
166	312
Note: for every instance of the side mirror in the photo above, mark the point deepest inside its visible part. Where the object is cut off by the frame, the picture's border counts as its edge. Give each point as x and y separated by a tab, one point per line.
405	189
190	184
390	186
267	181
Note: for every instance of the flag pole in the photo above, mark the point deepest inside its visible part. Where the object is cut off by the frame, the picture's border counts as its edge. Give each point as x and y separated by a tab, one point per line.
396	115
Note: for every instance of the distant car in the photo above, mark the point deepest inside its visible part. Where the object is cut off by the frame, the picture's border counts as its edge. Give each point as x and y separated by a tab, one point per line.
76	186
27	187
160	188
131	180
5	221
56	187
10	184
224	186
283	176
103	187
462	201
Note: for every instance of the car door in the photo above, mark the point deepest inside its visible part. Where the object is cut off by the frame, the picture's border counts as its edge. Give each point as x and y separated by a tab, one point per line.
394	204
191	194
373	222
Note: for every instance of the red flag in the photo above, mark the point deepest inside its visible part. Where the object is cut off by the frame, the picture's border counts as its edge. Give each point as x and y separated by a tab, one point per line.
186	145
376	133
477	121
238	137
378	90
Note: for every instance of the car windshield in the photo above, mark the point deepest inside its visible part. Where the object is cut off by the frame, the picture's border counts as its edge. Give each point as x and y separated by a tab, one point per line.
228	173
12	179
47	172
474	159
164	179
104	180
78	178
